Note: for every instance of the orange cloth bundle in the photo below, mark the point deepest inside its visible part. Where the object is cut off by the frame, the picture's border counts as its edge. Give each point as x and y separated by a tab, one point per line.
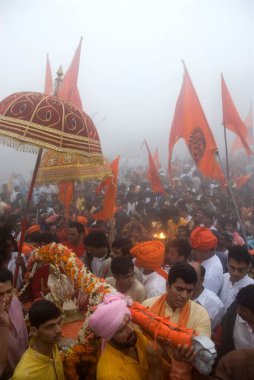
149	255
203	238
158	327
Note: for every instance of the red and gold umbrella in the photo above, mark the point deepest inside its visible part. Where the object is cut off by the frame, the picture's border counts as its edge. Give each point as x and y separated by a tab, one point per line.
61	167
30	121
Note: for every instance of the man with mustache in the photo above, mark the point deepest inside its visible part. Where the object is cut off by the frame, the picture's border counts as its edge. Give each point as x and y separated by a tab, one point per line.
126	352
41	361
123	348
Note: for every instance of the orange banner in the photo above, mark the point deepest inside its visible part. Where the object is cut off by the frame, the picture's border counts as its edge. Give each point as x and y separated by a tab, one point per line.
110	195
231	117
190	124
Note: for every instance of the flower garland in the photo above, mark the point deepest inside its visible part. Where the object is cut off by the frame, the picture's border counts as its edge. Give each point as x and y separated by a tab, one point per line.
73	356
96	288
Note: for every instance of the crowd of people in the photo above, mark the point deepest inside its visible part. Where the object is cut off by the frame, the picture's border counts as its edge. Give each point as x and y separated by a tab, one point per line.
181	254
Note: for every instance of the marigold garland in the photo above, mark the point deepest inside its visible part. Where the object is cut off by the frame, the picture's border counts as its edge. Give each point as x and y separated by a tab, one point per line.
96	289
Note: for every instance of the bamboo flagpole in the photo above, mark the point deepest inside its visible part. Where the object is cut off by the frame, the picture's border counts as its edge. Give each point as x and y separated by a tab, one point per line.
231	193
227	164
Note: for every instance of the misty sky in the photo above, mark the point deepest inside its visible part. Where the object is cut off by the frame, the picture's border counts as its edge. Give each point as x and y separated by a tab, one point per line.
130	69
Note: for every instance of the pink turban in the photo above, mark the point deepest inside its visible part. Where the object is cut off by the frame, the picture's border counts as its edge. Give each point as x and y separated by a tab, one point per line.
203	238
109	315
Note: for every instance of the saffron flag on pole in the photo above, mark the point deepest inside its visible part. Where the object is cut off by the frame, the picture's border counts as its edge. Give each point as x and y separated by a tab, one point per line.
231	117
242	180
65	195
48	88
153	175
156	158
237	144
190	124
69	89
108	209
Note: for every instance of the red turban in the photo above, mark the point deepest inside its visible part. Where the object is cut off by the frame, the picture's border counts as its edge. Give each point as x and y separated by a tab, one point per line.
203	238
149	255
32	229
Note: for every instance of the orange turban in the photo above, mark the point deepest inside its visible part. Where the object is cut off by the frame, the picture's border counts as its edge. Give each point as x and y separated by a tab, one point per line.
149	255
203	238
82	220
32	229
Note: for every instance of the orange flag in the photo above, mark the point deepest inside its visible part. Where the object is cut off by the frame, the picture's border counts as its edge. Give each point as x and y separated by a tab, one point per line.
190	124
231	117
156	159
153	175
249	123
240	181
65	195
69	90
237	144
48	88
110	195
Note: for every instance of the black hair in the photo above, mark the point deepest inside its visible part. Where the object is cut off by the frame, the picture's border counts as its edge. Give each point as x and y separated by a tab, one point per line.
96	239
79	227
245	297
202	271
136	226
13	241
42	311
182	206
5	236
239	254
183	271
5	275
208	213
183	247
122	265
120	242
33	237
46	238
173	211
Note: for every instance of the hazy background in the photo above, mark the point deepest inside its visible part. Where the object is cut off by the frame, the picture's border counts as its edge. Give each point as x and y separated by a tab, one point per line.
130	69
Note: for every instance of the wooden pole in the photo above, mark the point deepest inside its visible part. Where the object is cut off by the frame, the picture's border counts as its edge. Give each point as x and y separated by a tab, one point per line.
25	217
231	193
227	164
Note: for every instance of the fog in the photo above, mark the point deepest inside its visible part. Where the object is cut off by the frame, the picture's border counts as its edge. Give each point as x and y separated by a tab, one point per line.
130	70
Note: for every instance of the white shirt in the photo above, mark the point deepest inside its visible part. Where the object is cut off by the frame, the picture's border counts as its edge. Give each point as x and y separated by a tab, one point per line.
213	305
13	196
155	284
242	334
214	274
96	265
229	291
